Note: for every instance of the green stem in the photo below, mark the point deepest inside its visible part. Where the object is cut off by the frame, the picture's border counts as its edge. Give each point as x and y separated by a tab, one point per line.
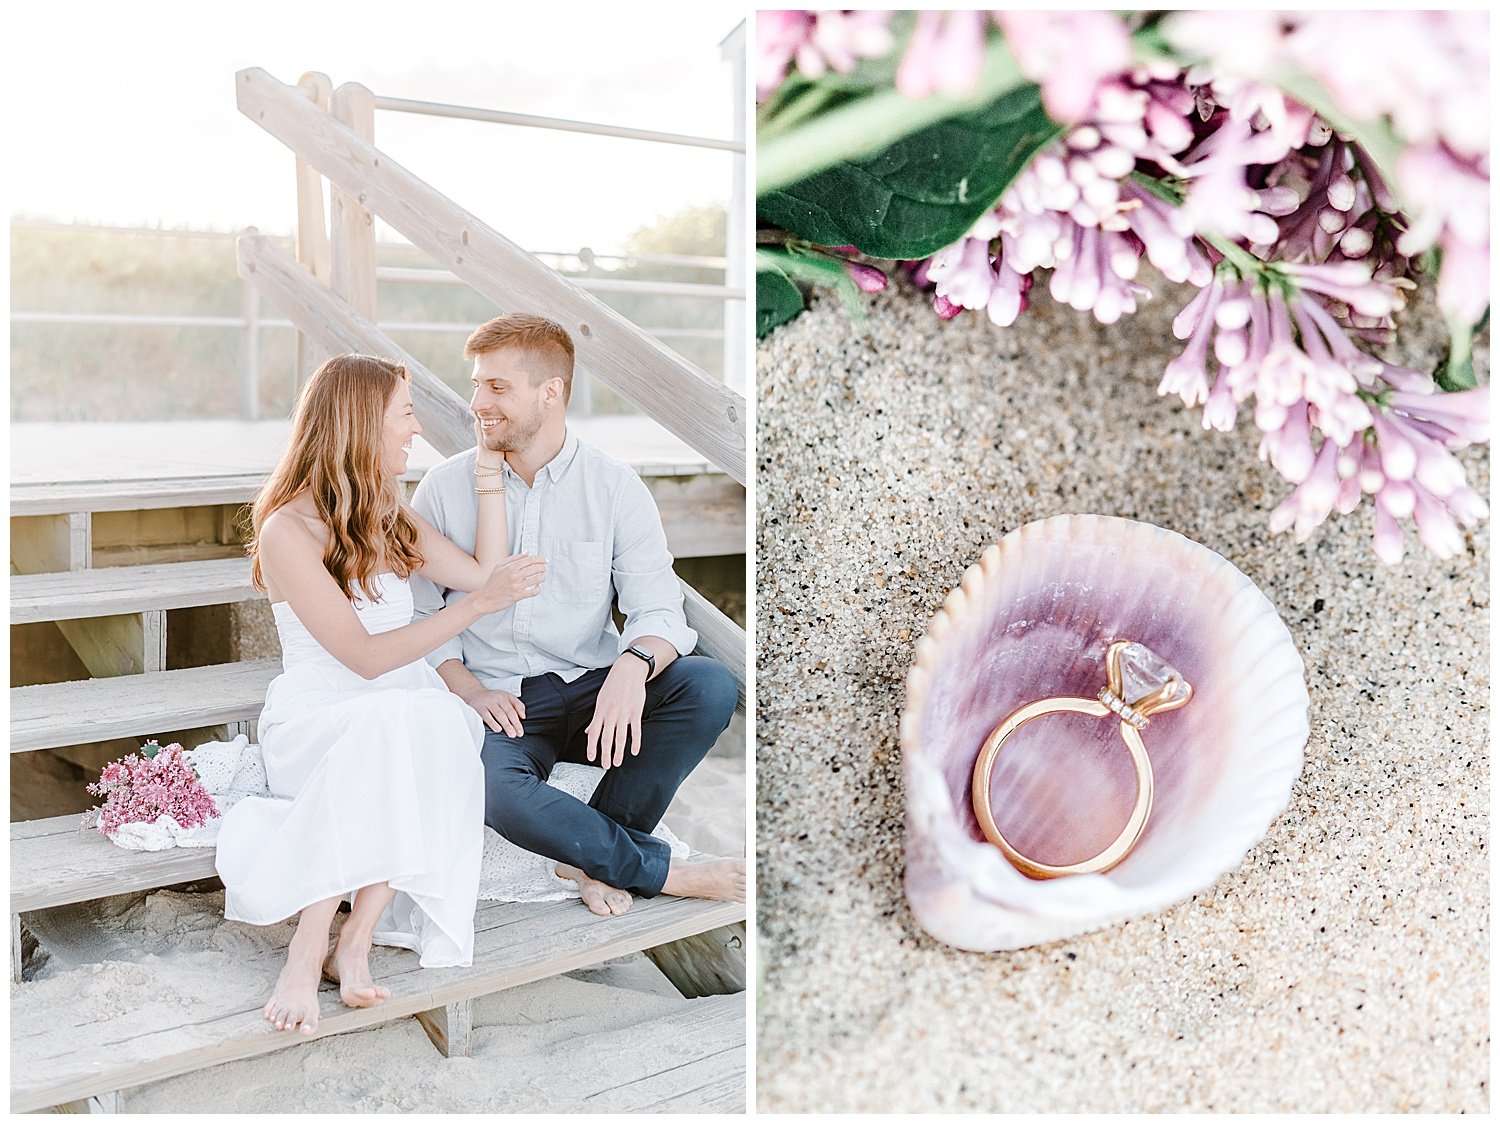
872	123
1457	372
1237	256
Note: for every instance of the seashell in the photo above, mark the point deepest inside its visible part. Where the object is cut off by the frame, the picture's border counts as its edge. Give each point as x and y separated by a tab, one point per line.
1031	620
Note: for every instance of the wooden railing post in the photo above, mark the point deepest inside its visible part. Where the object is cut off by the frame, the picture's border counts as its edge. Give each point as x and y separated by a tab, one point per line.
351	227
312	227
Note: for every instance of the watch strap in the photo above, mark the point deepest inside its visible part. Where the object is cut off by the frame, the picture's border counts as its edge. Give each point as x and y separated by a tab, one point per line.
641	653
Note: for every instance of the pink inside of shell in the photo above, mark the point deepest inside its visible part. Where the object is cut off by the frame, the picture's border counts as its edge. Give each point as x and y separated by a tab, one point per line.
1063	785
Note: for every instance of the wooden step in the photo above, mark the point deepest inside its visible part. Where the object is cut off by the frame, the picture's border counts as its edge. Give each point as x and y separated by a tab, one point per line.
62	1054
56	862
116	590
58	497
56	714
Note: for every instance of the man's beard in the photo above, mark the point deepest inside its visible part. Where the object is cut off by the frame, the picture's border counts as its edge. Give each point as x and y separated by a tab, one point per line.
514	434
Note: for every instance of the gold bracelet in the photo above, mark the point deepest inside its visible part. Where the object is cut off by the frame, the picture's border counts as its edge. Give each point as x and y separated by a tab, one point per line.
489	491
486	471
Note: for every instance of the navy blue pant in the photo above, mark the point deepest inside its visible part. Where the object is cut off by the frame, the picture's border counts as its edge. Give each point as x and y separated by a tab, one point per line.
687	707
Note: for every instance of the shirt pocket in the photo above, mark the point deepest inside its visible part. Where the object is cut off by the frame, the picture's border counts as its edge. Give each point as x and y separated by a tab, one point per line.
577	575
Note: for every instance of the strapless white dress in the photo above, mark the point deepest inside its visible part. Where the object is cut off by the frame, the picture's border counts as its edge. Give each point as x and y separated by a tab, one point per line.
372	780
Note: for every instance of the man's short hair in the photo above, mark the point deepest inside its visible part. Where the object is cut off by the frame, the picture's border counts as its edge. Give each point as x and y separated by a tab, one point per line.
547	345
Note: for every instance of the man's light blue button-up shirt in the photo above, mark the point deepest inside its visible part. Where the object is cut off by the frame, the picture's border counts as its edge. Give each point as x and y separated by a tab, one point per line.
594	521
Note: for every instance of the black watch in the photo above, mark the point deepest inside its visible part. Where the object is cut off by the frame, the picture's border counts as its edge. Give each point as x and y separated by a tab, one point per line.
645	655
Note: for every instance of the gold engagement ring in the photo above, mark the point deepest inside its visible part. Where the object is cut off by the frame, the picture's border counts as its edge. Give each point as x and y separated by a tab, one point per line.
1138	684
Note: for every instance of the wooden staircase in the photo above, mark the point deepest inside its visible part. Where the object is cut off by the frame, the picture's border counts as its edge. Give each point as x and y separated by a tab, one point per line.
181	538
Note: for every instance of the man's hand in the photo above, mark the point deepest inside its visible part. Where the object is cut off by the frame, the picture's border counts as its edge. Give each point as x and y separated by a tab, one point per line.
501	710
617	713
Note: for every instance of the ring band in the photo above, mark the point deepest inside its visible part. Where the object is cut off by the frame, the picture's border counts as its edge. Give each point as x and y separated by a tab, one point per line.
1160	688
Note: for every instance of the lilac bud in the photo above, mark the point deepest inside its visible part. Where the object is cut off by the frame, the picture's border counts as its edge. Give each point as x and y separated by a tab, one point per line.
945	308
867	277
1356	242
1341	192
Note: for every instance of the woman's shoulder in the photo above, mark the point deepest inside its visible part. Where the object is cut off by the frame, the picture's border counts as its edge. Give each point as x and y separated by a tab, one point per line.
295	523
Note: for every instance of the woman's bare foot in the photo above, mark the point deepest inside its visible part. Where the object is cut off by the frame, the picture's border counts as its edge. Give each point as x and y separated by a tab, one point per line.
600	897
349	967
722	880
294	1003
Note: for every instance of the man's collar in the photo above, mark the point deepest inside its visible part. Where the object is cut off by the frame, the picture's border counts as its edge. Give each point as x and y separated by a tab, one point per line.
558	466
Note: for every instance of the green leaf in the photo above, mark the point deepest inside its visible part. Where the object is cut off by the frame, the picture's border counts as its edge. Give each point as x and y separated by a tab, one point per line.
777	300
924	191
861	117
150	750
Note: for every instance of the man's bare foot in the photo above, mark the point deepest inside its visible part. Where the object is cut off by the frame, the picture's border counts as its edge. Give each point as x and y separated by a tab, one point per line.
722	880
600	897
294	1003
349	967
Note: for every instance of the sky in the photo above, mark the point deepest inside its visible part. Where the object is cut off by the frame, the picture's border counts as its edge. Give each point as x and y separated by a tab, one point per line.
124	114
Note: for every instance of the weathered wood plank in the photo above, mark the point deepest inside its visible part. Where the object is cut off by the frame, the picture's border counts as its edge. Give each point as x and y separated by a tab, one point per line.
351	227
43	544
451	1028
711	963
57	714
699	1055
56	862
59	1056
115	590
718	636
33	498
703	516
312	228
707	415
130	644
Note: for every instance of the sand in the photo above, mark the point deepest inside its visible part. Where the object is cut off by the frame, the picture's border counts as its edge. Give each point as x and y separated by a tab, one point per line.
1342	967
575	1043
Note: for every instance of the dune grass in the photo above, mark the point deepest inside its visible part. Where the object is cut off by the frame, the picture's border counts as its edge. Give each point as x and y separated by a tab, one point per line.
132	372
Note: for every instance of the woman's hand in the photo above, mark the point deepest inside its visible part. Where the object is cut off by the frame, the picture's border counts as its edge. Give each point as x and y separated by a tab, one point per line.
485	458
517	578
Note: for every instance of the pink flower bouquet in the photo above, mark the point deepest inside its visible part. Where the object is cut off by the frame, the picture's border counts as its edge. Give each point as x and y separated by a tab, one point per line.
141	789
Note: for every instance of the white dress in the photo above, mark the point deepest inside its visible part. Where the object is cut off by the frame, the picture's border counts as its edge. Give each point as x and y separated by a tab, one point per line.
371	780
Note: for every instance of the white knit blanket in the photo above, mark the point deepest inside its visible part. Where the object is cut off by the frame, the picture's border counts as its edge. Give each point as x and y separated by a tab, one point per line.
231	771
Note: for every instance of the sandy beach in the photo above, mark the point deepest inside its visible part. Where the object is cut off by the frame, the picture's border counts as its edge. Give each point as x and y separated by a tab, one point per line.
1341	967
623	1016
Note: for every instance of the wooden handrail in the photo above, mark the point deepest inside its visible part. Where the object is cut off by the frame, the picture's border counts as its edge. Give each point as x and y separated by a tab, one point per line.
707	415
447	423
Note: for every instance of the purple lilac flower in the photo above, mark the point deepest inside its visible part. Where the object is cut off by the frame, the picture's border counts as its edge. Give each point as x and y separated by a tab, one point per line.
816	42
1069	54
1336	422
945	53
140	789
1427	74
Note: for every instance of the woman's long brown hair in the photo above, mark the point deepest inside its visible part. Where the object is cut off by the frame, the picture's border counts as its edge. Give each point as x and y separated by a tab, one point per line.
335	454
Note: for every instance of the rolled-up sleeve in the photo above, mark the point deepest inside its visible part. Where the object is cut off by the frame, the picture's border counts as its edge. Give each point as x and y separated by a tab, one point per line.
427	597
648	592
